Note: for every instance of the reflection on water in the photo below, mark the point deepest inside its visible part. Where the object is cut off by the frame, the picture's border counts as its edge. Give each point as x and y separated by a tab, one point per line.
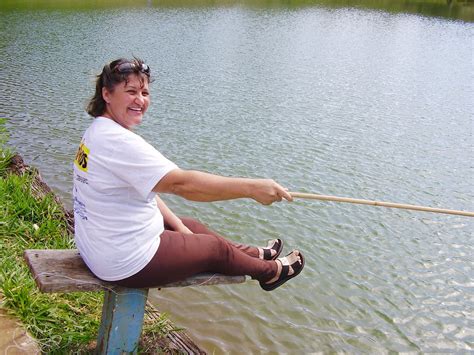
336	101
455	9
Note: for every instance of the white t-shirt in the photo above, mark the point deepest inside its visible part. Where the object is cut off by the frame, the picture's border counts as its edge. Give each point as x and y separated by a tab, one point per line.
117	221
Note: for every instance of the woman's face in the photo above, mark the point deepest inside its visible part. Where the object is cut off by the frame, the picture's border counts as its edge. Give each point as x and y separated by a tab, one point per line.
128	102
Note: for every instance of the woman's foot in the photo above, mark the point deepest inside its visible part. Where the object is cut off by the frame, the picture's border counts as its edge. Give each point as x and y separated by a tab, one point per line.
288	267
272	251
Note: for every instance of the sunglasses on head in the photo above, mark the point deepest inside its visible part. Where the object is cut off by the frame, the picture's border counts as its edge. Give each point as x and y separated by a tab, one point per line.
128	67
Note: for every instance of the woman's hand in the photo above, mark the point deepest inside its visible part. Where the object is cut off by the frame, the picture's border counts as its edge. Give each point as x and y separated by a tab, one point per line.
170	218
267	191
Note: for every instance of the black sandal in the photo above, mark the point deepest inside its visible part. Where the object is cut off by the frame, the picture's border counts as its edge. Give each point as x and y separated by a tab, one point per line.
277	246
297	266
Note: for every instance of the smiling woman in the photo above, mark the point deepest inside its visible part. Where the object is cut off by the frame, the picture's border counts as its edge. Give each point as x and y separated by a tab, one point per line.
125	233
122	92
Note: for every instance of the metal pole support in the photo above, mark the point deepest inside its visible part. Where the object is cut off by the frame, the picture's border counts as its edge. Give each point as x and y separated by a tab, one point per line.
122	320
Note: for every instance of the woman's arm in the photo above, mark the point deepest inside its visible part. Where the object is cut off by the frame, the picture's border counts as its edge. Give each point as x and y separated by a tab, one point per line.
204	187
170	218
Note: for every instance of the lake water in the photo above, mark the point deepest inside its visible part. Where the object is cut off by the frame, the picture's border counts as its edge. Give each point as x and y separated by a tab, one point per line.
343	101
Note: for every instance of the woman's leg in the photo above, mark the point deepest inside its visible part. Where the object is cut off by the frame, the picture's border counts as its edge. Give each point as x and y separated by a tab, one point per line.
197	227
182	255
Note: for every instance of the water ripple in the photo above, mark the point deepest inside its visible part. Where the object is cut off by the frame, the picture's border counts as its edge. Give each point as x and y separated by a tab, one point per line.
344	102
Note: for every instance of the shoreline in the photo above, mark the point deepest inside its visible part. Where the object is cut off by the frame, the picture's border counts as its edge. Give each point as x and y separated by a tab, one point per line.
449	9
56	322
14	338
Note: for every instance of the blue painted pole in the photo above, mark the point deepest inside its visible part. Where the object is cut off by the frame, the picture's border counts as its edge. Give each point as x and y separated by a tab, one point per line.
122	320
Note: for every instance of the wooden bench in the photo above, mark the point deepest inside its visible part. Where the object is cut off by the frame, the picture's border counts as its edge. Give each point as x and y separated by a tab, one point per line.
123	309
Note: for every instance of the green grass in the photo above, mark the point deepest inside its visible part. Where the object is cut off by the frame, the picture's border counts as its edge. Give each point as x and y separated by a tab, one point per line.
61	323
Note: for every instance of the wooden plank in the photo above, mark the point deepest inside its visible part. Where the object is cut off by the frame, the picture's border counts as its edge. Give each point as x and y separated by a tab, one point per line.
63	270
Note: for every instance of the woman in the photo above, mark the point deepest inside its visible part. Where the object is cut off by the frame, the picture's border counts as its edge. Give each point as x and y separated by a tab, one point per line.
125	233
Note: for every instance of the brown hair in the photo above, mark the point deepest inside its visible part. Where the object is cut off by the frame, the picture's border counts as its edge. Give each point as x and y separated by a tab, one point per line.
110	77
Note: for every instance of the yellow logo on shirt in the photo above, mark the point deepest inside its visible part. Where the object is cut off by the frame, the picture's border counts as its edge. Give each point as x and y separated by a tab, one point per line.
82	156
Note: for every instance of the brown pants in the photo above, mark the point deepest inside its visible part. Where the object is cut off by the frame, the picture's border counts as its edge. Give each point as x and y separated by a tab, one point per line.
182	255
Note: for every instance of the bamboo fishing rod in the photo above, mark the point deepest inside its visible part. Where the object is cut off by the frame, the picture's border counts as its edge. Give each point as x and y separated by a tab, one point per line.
379	203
